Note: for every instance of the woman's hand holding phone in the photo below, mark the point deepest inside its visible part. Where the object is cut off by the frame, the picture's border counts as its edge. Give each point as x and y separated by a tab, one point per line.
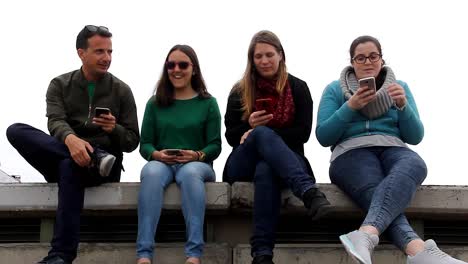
259	118
172	156
263	114
364	94
163	156
186	156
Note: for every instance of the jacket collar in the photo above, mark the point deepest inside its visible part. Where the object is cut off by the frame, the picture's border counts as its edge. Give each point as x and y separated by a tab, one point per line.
83	83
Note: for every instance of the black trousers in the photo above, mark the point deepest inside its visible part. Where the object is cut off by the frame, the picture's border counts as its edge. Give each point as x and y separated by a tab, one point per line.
52	159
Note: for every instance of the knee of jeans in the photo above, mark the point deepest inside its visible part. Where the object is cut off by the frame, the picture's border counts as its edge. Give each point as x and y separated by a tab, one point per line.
193	172
418	168
261	131
154	171
13	131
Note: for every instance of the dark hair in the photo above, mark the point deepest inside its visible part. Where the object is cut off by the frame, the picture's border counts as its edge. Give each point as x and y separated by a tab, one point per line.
86	33
363	39
164	91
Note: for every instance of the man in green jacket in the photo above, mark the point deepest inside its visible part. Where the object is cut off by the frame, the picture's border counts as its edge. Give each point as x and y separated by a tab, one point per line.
92	119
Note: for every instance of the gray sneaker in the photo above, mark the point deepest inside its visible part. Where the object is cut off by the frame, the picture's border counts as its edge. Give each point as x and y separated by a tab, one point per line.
103	161
360	245
432	255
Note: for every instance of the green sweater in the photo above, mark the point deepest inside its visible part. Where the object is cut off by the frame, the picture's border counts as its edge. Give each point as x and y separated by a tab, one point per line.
193	124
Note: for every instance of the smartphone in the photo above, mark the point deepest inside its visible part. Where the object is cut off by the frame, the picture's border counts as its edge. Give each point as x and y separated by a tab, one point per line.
264	104
98	111
173	152
369	82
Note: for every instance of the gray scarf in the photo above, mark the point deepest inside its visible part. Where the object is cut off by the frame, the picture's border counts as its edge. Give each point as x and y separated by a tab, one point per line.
383	101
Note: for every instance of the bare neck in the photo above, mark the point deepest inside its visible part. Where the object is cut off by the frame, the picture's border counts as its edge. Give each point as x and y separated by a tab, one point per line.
184	93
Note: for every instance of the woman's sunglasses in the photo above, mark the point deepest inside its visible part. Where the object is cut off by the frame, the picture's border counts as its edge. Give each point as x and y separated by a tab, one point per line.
183	65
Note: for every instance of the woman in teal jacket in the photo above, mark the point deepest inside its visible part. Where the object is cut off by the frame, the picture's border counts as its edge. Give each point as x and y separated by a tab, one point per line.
367	130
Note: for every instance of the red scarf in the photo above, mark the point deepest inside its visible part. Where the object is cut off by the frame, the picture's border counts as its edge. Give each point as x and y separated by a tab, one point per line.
283	115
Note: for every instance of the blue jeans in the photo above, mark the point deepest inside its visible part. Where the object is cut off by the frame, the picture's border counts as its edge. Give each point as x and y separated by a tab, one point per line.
191	178
266	160
52	159
382	181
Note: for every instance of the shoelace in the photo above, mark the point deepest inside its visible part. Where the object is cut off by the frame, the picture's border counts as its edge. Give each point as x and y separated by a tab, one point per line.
437	252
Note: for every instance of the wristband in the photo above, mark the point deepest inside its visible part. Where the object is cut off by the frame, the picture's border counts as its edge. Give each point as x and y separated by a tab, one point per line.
201	155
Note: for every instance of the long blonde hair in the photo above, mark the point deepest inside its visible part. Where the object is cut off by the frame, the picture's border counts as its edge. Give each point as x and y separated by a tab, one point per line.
247	84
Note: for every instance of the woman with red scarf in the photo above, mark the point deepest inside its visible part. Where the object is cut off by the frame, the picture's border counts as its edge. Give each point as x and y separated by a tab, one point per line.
268	120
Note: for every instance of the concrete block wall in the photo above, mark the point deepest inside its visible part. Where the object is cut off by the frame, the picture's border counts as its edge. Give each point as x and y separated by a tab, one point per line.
228	222
122	253
332	254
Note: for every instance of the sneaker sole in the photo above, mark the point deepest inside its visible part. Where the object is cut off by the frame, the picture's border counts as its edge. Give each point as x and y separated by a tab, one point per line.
108	163
349	247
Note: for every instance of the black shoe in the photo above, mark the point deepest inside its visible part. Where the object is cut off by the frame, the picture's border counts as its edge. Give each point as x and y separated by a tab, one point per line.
53	260
102	161
263	259
316	203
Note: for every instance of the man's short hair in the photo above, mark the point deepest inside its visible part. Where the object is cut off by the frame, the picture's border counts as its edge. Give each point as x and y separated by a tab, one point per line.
88	32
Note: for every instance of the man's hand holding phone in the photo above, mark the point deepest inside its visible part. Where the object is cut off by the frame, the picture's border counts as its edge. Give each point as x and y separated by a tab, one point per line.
104	118
364	94
263	114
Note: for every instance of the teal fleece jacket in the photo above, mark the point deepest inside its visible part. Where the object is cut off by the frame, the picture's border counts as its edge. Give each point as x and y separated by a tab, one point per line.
337	122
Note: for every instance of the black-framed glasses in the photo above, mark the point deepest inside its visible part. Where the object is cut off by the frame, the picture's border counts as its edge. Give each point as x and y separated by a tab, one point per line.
373	57
93	28
183	65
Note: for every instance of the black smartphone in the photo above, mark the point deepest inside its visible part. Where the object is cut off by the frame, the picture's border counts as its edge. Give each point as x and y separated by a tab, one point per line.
173	152
98	111
369	82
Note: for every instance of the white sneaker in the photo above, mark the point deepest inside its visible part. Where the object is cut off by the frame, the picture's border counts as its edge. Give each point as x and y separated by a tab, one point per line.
360	246
432	255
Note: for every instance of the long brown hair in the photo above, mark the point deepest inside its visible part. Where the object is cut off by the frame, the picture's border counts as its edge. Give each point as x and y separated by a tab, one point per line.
164	90
248	82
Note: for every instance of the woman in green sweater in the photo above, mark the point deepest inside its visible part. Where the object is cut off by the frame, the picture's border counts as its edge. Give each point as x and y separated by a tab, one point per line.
180	138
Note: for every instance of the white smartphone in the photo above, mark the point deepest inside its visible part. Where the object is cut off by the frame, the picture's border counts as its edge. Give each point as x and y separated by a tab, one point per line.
369	82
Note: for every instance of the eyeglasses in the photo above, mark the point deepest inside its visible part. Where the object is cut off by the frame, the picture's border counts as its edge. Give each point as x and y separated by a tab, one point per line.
183	65
93	28
373	57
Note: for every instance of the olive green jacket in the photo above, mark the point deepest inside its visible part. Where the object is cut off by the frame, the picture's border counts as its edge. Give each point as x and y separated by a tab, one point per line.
69	111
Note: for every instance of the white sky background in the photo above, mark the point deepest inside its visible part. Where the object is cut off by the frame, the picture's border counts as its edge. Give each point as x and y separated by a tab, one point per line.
425	43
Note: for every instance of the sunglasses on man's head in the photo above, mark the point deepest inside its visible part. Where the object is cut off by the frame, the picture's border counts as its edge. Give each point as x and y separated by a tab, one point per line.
93	28
183	65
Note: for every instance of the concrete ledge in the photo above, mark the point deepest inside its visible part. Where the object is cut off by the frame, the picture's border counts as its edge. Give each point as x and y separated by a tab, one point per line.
24	197
333	254
18	198
429	201
114	253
